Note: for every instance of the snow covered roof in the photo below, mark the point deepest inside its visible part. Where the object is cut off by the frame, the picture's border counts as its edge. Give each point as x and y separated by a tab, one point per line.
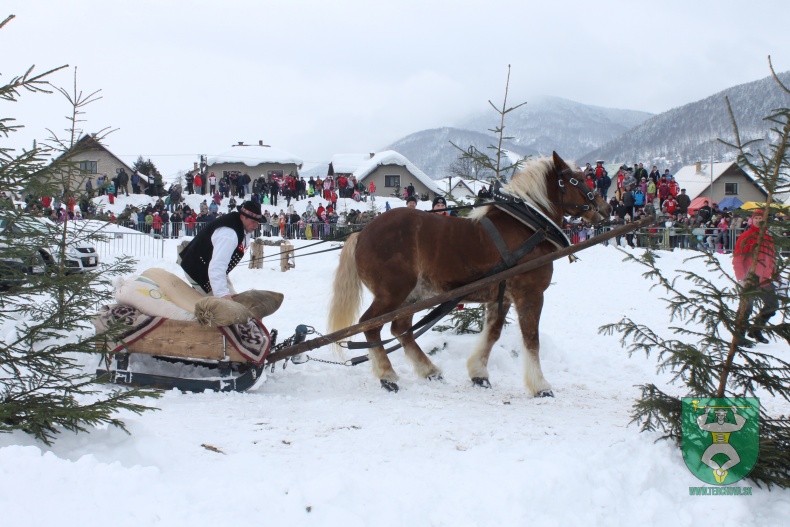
348	163
458	182
254	155
391	157
314	170
695	182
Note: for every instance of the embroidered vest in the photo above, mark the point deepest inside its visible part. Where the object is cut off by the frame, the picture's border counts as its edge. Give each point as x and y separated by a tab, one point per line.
196	256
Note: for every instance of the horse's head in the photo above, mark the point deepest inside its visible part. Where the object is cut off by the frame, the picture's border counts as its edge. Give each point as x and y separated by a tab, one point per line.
575	197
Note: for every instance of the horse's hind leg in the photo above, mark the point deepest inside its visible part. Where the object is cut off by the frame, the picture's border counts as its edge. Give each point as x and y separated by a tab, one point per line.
380	363
477	364
422	364
528	308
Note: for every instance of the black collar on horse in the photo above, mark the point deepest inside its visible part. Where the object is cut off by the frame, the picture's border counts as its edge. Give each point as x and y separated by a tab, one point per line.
406	255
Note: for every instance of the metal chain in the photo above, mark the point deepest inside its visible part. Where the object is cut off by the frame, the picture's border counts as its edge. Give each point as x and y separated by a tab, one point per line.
345	363
309	358
289	341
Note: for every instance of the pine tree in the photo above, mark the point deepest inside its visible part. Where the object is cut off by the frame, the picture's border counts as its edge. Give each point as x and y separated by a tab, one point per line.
144	166
717	360
497	164
467	319
471	319
45	317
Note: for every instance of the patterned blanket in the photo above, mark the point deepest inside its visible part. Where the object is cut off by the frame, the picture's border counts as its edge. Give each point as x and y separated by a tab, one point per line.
251	339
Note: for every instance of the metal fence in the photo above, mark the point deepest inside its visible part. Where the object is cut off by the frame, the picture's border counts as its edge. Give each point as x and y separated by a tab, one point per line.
666	238
148	241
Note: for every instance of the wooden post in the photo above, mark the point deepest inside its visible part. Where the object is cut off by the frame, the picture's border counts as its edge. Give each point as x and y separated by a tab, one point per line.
287	257
256	255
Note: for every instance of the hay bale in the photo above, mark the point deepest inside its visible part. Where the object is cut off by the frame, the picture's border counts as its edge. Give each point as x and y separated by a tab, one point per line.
212	311
260	303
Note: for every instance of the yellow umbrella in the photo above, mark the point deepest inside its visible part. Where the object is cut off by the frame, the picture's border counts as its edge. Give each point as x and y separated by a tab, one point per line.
751	205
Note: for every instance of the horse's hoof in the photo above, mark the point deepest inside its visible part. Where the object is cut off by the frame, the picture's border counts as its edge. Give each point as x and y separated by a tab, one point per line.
435	377
545	393
389	386
482	382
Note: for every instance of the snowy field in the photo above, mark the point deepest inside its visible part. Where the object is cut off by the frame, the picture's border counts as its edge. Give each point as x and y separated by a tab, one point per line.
322	444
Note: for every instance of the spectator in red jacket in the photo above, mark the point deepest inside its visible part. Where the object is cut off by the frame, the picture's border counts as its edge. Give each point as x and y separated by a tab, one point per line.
754	262
198	181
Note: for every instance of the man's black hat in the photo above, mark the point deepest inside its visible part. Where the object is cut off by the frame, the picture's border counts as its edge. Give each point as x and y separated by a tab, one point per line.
251	210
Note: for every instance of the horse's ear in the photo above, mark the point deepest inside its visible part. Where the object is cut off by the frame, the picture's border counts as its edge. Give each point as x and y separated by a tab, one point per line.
559	163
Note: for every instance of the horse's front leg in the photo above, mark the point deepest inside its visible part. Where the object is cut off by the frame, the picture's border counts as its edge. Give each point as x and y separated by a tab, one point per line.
477	363
528	309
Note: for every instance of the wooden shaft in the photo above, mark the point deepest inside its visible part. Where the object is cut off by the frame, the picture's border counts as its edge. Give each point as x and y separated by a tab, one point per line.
455	293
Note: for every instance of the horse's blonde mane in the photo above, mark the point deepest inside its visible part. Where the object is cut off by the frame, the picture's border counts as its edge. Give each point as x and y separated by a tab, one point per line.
529	184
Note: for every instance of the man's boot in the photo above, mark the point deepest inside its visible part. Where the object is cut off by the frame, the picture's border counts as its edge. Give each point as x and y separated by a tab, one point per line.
757	335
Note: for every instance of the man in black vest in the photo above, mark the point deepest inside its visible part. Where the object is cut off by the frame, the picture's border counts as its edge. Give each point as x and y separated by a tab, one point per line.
216	250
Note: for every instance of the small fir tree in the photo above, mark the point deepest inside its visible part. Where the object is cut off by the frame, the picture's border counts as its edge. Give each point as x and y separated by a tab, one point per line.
144	166
497	165
718	360
481	165
46	317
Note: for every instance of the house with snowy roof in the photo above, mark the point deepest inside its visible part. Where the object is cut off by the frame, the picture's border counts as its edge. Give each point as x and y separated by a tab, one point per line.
390	172
347	164
717	181
254	160
93	159
460	187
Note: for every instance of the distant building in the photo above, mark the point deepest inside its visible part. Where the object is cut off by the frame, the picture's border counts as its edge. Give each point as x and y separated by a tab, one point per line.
254	160
460	187
91	159
390	171
728	180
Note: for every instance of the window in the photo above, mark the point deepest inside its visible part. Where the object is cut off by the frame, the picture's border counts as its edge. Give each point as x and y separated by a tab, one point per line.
392	181
730	189
89	167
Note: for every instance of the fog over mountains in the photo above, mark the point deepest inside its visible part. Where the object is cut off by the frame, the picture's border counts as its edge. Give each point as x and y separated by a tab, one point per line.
584	133
684	135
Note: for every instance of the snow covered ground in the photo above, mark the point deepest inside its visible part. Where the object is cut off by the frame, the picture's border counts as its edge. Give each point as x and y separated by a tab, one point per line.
322	444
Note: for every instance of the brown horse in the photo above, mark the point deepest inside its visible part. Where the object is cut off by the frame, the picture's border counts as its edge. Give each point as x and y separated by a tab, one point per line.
407	255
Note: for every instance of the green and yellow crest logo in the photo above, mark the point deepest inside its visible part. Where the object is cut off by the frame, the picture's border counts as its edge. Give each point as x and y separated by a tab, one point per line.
721	438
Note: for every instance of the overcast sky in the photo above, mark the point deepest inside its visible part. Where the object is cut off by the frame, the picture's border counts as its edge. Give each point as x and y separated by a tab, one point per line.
319	77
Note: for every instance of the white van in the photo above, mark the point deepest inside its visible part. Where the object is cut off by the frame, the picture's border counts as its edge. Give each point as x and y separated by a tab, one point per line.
80	256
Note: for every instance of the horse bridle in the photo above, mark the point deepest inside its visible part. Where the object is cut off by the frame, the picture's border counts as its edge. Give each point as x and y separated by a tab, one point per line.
589	194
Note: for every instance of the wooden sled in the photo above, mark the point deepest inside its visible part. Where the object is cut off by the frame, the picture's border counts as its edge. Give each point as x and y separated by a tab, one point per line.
188	343
179	342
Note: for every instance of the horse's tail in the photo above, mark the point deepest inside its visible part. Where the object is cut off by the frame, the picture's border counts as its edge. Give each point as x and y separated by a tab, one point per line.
346	290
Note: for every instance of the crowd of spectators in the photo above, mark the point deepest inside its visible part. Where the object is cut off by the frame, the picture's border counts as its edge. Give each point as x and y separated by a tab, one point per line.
634	193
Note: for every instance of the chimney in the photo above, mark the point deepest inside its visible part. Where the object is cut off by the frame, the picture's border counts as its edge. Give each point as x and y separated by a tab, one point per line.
195	165
241	143
260	142
698	165
372	154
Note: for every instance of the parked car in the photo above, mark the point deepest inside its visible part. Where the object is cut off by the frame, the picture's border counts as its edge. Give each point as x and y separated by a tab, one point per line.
79	255
14	271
